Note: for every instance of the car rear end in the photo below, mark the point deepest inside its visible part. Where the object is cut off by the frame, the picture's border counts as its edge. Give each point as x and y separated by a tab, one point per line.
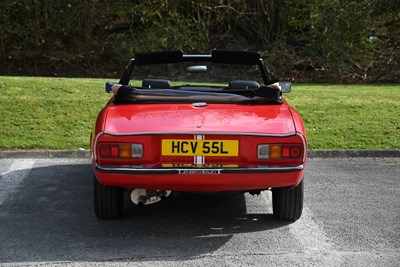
236	135
199	162
214	148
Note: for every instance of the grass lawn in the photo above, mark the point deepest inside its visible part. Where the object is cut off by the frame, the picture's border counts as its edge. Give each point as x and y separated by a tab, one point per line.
349	116
59	113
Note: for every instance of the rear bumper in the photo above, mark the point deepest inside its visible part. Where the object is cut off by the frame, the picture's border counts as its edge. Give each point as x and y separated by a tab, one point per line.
200	179
261	169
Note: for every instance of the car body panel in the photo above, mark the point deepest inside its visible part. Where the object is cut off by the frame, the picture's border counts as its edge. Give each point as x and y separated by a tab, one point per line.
175	118
202	182
155	171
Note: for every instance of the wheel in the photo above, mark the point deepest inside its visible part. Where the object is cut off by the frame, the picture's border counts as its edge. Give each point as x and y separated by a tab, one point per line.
287	202
108	201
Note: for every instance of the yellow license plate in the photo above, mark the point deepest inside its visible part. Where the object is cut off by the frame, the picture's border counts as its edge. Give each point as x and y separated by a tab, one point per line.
216	148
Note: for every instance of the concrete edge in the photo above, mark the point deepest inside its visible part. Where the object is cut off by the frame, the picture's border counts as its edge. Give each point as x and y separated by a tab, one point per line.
354	153
318	153
44	154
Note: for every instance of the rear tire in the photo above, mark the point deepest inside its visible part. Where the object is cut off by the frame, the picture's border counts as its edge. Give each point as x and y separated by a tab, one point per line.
287	202
108	201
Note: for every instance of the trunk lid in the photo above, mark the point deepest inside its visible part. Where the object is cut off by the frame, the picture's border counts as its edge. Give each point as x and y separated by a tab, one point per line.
186	118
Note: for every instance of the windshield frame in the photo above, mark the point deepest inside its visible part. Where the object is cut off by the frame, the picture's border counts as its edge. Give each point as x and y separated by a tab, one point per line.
268	93
217	56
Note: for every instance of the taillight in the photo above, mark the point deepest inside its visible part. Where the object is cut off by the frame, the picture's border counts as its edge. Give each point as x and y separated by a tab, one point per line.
273	151
295	152
121	150
108	151
136	150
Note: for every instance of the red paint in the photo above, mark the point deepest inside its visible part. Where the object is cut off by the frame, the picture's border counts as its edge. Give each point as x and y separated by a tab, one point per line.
244	123
175	118
205	183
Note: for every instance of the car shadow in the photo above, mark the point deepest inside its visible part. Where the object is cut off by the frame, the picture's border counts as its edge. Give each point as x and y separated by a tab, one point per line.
50	217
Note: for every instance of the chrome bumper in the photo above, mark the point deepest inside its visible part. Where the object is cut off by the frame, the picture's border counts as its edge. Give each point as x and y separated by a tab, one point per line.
261	169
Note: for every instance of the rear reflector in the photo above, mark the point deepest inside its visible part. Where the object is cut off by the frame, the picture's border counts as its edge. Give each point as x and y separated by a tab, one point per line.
114	151
105	151
295	152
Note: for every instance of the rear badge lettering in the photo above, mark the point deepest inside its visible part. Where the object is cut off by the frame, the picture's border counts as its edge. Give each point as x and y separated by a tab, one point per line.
199	171
193	165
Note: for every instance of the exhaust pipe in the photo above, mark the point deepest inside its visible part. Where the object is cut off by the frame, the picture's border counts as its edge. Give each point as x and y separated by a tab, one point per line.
140	196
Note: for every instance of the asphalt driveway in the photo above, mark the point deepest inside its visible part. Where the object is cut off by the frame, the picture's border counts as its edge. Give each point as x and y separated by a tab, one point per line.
351	217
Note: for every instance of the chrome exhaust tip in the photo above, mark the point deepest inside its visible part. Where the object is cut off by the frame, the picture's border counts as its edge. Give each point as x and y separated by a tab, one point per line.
140	196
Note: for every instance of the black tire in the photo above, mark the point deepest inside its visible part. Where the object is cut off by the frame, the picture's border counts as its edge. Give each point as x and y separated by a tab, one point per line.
108	201
287	202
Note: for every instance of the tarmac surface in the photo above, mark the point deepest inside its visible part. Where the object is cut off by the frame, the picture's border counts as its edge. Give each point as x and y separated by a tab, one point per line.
351	217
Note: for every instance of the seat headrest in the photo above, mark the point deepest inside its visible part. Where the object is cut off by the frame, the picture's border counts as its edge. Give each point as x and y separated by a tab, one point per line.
241	84
156	83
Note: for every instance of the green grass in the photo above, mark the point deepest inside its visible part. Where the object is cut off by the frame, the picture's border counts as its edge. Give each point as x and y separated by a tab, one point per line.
349	116
55	113
59	113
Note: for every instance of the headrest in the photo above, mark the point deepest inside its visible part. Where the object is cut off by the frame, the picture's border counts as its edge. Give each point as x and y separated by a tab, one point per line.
156	83
240	84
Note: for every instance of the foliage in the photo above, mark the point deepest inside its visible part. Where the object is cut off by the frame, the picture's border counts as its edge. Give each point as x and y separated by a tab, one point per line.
316	40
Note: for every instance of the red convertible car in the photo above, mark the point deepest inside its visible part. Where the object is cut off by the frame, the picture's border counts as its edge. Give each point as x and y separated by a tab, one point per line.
198	123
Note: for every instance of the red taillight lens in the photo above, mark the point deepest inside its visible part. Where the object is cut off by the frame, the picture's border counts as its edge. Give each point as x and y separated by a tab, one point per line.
285	152
295	152
114	151
108	150
291	151
105	151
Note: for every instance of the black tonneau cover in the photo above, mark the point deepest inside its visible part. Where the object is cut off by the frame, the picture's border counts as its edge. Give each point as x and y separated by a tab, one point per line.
264	94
